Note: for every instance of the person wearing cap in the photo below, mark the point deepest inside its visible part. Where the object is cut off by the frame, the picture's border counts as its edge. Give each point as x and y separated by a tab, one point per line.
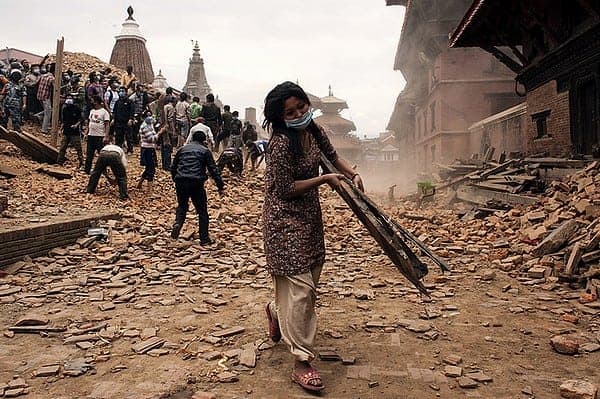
14	99
188	171
32	105
114	157
71	119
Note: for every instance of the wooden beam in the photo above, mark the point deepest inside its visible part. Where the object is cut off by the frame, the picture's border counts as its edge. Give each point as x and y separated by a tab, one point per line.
503	58
381	229
56	92
518	54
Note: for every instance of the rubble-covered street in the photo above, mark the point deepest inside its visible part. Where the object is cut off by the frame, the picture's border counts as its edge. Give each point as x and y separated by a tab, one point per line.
143	315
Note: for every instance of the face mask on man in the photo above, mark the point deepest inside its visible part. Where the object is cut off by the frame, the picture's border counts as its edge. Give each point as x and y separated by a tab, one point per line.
300	123
69	101
36	71
148	120
121	94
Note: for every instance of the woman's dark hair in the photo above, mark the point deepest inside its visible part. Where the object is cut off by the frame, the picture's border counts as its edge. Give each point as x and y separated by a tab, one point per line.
183	96
210	98
275	108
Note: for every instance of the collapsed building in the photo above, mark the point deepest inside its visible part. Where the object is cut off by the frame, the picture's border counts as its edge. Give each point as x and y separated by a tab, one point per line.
447	89
553	47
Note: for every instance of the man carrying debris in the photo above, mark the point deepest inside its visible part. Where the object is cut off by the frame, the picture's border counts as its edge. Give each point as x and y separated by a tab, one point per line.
114	157
71	119
189	174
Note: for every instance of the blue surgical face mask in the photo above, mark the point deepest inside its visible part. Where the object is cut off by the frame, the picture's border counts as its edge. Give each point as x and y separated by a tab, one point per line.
300	123
69	101
148	120
121	94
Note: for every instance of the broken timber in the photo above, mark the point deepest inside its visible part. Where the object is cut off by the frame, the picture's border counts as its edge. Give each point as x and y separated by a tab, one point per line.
39	238
385	233
30	145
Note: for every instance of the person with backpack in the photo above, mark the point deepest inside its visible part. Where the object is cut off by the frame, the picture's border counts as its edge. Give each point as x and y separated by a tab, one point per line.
14	99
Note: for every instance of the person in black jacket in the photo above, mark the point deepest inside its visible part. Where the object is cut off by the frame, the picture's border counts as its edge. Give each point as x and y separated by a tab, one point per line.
123	120
189	174
71	118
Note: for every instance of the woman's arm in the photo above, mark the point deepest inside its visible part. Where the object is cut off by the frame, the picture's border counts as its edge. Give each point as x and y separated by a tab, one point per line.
303	186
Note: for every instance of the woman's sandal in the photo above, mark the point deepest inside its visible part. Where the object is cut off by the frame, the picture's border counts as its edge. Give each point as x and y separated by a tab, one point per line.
308	379
274	331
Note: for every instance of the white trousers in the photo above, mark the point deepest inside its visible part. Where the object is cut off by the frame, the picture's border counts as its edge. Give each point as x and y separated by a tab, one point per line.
294	308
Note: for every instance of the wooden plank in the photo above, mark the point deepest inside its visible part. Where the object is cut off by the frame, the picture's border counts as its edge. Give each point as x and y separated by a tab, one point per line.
574	258
557	239
481	196
11	172
557	162
58	70
55	171
30	145
36	329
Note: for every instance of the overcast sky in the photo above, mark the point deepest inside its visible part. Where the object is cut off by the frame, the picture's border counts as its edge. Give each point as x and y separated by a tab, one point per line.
248	46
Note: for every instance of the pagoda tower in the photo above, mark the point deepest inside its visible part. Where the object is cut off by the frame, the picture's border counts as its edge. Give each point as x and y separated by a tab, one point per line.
160	83
345	143
196	84
331	107
130	49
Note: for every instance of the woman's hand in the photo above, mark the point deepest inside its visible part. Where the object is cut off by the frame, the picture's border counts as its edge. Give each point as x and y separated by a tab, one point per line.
333	179
358	182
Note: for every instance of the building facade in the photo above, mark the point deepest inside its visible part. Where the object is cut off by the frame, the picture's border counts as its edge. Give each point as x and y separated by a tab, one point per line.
553	47
447	90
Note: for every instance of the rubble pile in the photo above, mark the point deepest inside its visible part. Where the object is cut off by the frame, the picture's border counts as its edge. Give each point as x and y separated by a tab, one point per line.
496	184
85	64
137	306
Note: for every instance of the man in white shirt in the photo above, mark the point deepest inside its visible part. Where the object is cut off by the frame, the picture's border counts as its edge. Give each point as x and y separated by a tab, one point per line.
114	157
111	95
98	131
203	128
182	117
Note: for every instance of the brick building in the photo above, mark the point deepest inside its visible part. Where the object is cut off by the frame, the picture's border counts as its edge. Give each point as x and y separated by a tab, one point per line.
447	90
553	47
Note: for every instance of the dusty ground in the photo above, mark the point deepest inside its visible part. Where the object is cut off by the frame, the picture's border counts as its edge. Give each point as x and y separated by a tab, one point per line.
500	326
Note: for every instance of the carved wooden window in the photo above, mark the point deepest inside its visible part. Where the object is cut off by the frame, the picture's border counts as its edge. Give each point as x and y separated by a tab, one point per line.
540	120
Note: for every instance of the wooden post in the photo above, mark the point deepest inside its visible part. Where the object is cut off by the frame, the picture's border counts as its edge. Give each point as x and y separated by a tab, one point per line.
60	43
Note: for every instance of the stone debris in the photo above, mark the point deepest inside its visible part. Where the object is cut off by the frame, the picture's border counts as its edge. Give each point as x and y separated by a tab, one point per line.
47	371
577	389
134	287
